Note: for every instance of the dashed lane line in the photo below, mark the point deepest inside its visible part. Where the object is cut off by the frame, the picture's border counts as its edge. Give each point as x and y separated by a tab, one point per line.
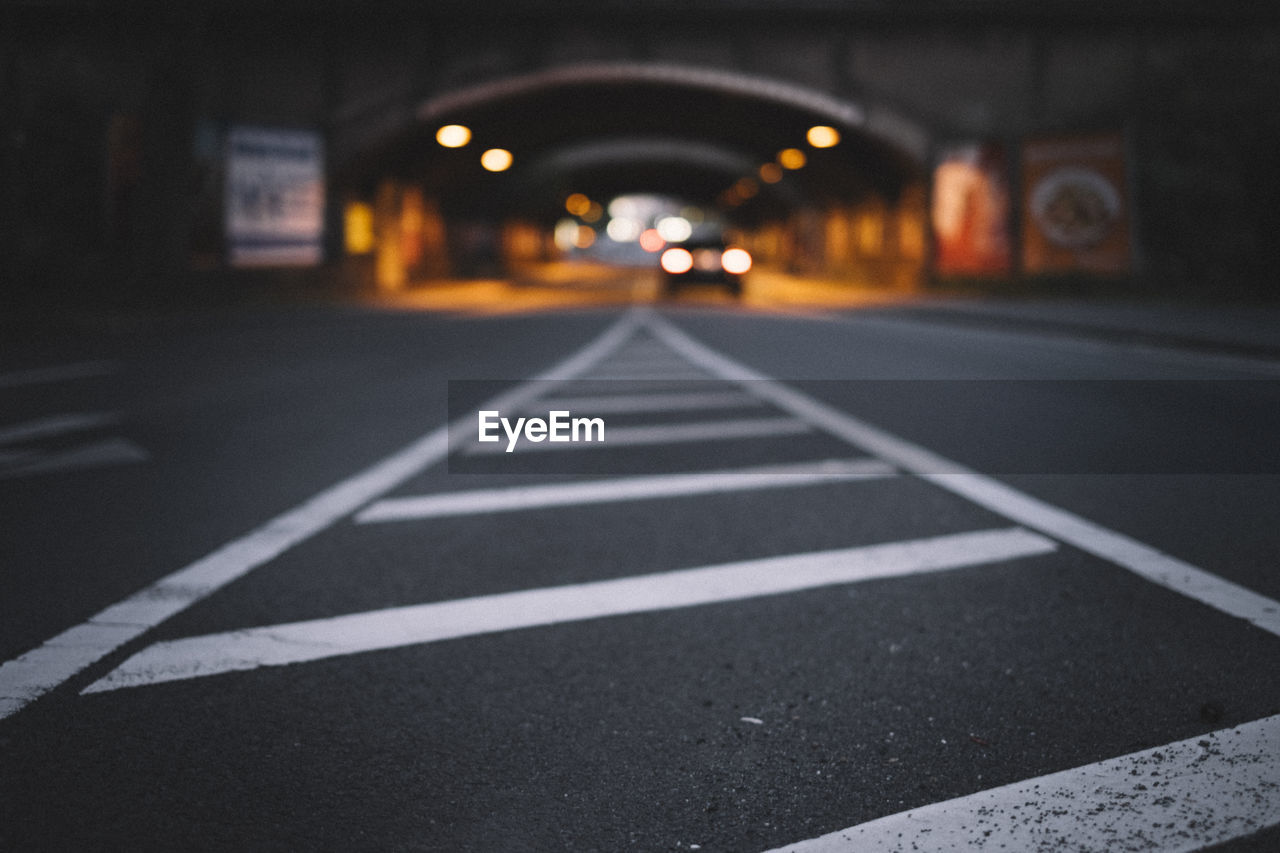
296	642
482	501
29	676
1116	548
1174	798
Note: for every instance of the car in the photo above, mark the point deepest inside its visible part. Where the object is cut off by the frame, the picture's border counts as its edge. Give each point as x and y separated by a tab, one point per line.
707	260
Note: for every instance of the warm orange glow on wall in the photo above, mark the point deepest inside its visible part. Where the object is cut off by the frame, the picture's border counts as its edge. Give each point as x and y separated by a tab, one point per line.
357	228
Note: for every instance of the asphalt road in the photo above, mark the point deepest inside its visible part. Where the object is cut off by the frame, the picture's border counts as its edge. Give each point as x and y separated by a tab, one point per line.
824	572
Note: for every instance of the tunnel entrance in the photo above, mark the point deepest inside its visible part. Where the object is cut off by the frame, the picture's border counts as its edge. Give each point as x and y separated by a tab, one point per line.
489	178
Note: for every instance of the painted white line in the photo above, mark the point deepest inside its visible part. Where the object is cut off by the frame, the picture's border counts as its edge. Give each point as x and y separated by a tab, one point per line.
60	373
631	375
516	498
1155	566
277	645
96	454
57	425
617	386
633	436
656	364
1180	797
613	404
33	674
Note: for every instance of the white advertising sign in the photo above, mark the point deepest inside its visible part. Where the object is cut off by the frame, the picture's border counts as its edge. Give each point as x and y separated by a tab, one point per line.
274	197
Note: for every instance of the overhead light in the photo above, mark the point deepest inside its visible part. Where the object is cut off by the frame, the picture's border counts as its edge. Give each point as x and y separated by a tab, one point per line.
453	135
496	159
792	158
821	136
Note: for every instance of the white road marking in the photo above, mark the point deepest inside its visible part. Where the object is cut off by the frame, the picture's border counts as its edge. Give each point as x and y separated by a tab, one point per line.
627	374
33	674
60	373
613	404
632	436
94	454
1155	566
1183	796
514	498
56	425
277	645
616	386
653	364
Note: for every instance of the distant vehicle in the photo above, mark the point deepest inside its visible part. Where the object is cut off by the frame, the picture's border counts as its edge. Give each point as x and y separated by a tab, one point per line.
704	260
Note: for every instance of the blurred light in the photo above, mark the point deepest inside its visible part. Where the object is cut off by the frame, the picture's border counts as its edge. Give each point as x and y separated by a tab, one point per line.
693	214
624	207
453	135
677	261
585	237
770	173
707	260
736	261
566	234
357	228
791	158
496	159
592	213
577	204
623	230
674	229
746	188
651	240
821	136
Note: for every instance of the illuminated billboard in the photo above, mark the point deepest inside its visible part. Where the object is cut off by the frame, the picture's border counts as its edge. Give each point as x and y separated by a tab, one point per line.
971	210
1076	205
274	197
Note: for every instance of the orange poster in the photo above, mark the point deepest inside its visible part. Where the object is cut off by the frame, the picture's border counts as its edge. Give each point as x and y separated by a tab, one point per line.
971	211
1075	211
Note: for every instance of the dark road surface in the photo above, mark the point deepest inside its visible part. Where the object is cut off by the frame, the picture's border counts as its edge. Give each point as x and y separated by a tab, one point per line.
1027	556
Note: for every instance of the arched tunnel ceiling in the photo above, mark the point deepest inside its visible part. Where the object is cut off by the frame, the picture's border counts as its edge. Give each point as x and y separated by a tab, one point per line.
609	131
